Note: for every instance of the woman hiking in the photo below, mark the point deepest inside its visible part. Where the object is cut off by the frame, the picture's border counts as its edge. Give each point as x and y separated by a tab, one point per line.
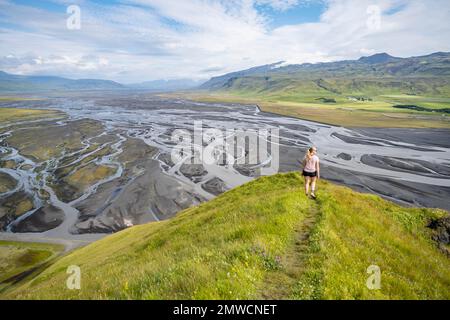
311	171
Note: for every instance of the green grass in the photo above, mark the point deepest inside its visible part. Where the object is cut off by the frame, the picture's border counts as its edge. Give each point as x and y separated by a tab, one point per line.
10	98
356	232
74	185
262	240
42	143
9	115
378	113
19	257
299	95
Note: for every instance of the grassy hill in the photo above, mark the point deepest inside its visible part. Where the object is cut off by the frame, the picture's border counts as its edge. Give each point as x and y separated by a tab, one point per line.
19	259
262	240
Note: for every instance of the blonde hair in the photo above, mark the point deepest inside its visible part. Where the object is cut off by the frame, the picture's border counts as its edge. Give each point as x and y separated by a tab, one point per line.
309	153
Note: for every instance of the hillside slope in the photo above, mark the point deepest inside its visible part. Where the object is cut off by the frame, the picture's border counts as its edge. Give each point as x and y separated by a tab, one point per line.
376	91
374	75
262	240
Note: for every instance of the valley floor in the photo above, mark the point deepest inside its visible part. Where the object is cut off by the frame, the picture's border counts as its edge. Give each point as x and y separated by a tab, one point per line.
72	178
350	114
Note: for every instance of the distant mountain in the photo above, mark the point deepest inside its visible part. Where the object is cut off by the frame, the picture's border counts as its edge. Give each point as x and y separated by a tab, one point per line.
379	73
218	82
166	85
10	82
378	58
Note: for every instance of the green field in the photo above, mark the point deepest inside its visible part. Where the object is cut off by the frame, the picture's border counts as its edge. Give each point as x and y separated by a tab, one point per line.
10	115
17	258
377	113
12	98
350	93
264	240
435	103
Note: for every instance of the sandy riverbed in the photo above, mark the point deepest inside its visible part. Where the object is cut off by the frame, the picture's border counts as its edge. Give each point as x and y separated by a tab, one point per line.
132	135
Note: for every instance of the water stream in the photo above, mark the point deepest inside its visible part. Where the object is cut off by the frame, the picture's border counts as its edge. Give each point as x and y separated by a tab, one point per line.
152	120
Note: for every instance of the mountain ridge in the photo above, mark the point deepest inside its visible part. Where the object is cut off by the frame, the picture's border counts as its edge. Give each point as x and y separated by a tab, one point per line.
378	58
13	82
379	66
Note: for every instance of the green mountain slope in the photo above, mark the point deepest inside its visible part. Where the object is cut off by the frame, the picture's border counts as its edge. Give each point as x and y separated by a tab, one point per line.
377	74
262	240
376	91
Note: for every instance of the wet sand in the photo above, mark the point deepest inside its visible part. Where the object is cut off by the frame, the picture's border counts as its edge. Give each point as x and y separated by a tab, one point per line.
420	137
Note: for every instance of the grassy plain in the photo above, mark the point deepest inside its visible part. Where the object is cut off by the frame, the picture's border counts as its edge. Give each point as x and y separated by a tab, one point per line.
377	113
10	115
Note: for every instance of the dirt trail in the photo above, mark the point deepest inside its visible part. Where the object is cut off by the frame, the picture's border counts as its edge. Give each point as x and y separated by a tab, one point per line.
293	261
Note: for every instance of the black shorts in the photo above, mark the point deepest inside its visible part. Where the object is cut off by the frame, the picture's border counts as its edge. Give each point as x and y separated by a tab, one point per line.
309	174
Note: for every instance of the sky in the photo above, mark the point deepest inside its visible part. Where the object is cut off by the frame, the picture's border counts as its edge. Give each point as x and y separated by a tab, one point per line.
132	41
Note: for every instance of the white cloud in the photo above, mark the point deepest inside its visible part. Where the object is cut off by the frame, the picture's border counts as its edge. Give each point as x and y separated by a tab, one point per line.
150	39
74	65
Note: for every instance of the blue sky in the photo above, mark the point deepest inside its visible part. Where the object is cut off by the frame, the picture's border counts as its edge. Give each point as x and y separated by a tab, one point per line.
300	13
141	40
277	16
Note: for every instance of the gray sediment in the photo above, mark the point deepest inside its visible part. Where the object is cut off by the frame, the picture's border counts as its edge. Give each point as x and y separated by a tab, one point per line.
410	167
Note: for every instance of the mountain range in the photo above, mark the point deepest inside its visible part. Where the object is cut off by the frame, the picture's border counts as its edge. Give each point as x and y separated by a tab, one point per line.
10	82
14	83
378	73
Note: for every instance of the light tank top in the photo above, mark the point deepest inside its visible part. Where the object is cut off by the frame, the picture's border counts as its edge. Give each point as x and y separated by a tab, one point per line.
311	164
